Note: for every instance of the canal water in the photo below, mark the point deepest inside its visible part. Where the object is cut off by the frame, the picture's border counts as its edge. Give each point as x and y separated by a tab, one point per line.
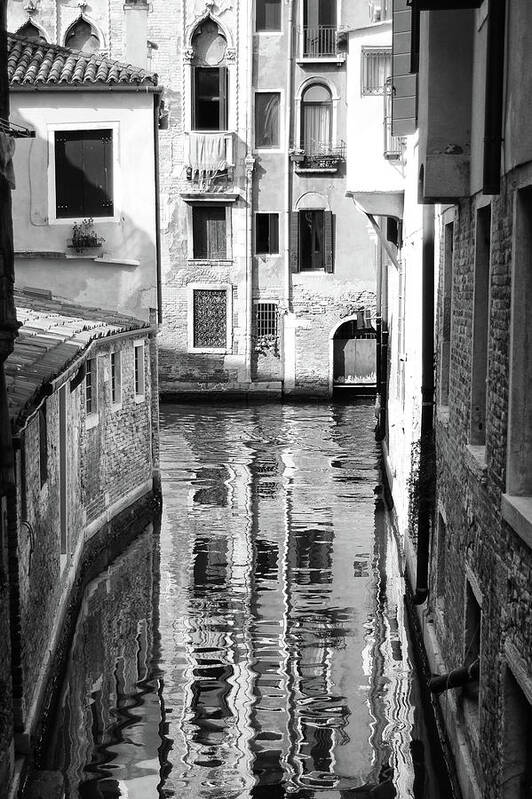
256	647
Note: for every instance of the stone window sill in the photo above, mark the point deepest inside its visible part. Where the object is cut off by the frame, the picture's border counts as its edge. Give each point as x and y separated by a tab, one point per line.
475	459
517	511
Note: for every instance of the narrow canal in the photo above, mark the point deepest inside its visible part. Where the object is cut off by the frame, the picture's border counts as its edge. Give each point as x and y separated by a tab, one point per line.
257	648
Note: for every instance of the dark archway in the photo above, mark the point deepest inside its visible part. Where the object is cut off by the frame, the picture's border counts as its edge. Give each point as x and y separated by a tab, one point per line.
354	355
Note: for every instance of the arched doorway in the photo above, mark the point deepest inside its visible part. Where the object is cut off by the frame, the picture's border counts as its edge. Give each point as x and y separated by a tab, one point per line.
353	355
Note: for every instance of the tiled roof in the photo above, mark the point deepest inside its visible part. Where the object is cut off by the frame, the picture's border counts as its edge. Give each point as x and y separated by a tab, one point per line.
33	63
52	335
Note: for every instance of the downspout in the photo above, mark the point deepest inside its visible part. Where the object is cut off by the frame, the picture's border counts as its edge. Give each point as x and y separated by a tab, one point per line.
156	108
288	170
249	164
426	452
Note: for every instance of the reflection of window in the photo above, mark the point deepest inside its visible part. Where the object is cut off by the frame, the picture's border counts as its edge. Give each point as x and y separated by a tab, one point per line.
209	232
266	319
268	15
210	318
316	120
82	36
267	234
210	98
267	119
31	31
376	68
84	173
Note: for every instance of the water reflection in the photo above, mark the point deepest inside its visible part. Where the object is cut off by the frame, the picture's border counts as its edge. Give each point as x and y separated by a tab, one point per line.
269	657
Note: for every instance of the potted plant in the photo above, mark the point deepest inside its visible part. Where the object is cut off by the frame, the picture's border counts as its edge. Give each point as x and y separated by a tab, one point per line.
84	237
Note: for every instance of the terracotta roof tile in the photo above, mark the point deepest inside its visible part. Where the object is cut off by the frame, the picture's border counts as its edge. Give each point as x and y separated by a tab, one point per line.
35	63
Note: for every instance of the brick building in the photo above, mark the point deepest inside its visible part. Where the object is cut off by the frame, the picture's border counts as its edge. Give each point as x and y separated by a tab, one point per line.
262	258
458	438
84	419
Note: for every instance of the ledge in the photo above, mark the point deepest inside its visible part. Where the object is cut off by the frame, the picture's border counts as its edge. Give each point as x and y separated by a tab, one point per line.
517	512
339	59
324	170
119	261
209	197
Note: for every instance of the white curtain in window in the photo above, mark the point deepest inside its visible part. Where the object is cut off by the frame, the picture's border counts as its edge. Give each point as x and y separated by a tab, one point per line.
316	128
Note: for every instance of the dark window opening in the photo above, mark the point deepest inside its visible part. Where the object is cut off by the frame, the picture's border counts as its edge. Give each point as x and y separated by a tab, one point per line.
473	622
517	763
209	232
266	319
90	387
82	36
267	234
139	370
43	445
84	173
481	303
116	378
445	352
31	31
268	15
210	98
319	28
311	240
267	106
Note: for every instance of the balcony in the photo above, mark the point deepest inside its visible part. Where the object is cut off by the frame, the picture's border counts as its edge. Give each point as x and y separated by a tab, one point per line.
209	160
320	43
327	158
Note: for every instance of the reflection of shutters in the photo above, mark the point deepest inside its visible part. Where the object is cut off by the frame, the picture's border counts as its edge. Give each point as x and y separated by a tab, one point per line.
404	82
294	241
328	240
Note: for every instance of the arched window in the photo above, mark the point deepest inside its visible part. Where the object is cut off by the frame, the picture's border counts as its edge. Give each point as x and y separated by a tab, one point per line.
31	31
209	78
82	36
316	119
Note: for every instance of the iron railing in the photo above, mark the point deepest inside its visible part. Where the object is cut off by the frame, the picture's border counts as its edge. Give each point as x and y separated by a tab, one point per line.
326	156
394	146
320	41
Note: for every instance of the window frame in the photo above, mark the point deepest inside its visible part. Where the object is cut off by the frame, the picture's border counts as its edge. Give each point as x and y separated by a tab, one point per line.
263	31
315	104
276	148
91	416
139	375
269	251
366	51
203	206
228	288
116	376
82	125
223	98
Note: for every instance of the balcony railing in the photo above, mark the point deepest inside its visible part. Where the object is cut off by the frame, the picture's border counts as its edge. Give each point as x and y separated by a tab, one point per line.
324	157
320	41
394	146
209	158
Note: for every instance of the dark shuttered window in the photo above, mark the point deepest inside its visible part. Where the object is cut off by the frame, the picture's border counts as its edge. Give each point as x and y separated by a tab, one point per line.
315	240
268	15
84	173
210	87
267	234
209	232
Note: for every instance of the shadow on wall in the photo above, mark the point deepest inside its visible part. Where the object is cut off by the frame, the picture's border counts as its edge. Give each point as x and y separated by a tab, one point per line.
118	274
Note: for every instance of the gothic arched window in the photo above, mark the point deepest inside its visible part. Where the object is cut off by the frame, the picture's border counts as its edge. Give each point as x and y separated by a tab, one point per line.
82	36
31	31
209	78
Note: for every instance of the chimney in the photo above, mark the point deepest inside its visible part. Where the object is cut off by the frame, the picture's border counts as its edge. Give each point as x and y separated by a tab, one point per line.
136	32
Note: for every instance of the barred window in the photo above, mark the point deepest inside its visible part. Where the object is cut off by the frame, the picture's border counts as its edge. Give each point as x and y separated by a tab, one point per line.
210	318
90	387
376	67
139	370
266	317
116	378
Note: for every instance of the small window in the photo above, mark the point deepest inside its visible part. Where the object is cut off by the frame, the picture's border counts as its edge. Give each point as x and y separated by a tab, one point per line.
84	173
31	31
267	234
376	68
268	15
43	444
266	317
116	378
139	370
210	318
210	98
82	36
267	106
91	387
209	232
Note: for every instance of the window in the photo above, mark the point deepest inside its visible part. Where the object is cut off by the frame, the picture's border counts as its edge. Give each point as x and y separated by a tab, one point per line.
316	120
267	234
91	387
31	31
82	36
23	478
139	370
210	318
480	327
84	173
311	240
268	15
266	317
116	378
267	119
517	763
210	98
319	28
473	628
376	69
209	237
445	341
43	444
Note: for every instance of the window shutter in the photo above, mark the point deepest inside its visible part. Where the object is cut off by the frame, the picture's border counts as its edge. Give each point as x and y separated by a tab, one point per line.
224	94
328	240
194	98
294	241
404	81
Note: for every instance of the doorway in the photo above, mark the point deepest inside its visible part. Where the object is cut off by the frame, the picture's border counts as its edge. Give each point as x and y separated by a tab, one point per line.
354	356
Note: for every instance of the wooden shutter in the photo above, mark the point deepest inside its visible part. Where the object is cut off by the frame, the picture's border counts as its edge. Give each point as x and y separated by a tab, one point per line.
84	173
294	241
223	77
194	98
274	233
216	237
98	171
404	81
328	240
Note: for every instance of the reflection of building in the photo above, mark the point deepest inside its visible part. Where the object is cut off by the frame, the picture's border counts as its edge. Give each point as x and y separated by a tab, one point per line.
94	122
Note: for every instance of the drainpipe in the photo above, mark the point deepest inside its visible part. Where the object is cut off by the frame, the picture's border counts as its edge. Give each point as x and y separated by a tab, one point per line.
288	172
249	164
455	678
426	453
156	109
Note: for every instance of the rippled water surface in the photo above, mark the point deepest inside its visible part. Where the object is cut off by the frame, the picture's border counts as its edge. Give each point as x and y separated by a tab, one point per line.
258	648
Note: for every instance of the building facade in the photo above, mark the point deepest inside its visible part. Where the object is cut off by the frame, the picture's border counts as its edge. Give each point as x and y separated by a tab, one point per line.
262	260
459	468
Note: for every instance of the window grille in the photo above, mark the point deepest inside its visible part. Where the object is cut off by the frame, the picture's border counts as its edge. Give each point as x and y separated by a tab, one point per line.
210	318
266	319
139	370
90	387
376	67
116	378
